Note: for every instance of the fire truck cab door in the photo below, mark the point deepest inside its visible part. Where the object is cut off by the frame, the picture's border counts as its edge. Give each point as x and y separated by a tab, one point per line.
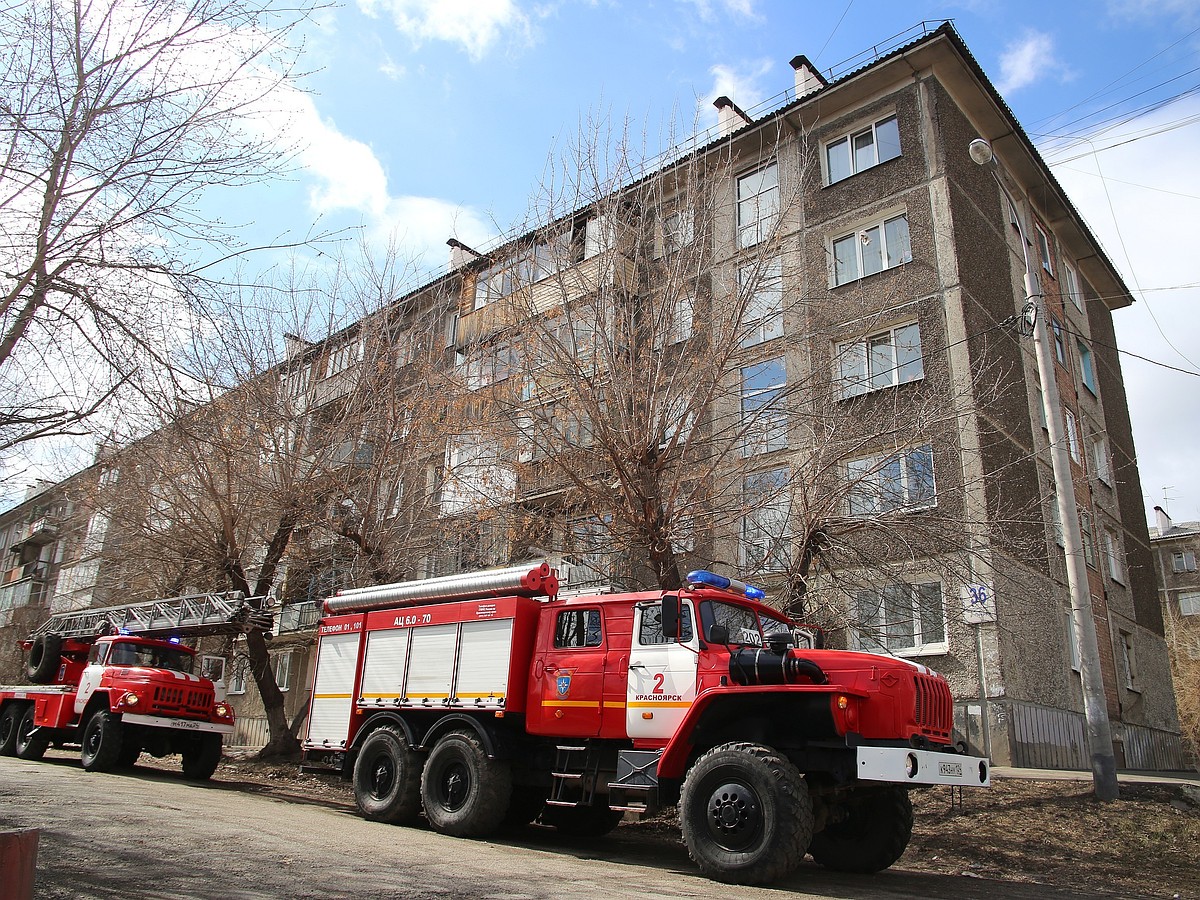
93	672
662	673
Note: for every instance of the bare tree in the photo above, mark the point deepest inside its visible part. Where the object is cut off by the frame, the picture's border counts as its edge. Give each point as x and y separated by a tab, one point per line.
118	117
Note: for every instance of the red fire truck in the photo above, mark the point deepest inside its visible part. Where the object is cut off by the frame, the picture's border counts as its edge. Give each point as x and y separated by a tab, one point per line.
487	702
116	682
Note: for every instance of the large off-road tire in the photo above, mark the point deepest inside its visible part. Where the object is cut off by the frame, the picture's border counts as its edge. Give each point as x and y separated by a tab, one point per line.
867	833
465	793
582	821
10	722
746	814
387	778
45	658
201	757
101	742
30	745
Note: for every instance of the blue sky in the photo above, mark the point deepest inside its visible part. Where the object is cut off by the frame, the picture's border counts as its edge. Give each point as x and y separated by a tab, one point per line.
431	118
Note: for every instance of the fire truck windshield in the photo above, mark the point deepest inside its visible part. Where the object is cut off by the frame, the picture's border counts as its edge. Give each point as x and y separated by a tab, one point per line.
126	654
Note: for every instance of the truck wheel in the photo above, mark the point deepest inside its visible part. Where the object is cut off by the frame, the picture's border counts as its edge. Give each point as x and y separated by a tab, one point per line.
387	778
10	723
45	657
465	793
30	745
525	805
101	742
582	821
867	834
746	814
201	757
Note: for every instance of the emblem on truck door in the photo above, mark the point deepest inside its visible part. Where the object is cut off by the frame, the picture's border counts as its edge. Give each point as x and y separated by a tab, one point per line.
562	684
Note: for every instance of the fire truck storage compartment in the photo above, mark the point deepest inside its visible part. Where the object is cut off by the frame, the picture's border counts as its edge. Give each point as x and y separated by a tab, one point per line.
333	692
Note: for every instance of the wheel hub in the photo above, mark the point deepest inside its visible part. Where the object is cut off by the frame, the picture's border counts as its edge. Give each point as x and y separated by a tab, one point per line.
734	815
455	783
381	777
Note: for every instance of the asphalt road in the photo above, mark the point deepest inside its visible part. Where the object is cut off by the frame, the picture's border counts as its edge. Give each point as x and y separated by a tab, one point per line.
149	834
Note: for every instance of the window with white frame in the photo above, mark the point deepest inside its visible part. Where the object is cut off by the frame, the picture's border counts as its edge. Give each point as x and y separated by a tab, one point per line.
1087	374
1129	660
757	204
283	669
881	360
1043	243
1183	561
676	324
764	418
343	357
1070	286
1060	347
889	482
767	506
1189	603
859	150
1086	533
902	618
870	249
679	229
1072	435
1100	460
1112	549
761	287
237	676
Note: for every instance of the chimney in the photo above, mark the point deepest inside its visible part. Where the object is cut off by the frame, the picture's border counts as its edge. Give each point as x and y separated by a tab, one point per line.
808	79
460	253
1164	521
732	117
294	345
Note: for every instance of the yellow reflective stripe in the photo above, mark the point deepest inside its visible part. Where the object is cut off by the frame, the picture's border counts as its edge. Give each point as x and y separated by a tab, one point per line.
332	696
575	704
614	704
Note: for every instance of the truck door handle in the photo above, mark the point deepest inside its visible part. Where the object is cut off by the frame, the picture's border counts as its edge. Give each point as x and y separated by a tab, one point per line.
637	665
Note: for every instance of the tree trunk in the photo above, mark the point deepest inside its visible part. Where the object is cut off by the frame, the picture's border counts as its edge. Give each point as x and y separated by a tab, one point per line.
282	742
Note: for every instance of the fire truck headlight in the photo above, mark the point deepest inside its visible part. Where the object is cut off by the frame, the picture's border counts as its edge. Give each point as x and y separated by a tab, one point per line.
129	700
223	711
911	766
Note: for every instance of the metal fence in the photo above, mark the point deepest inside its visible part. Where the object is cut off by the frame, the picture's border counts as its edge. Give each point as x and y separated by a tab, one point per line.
250	731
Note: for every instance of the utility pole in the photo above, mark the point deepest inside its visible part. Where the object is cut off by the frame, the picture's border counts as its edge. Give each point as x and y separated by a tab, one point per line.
1095	706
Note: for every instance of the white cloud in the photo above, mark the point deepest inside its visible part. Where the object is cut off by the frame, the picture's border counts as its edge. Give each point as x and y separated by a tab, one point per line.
739	85
1028	60
1148	189
475	24
708	9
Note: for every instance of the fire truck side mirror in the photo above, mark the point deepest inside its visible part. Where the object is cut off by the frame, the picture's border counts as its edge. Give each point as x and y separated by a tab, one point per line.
670	616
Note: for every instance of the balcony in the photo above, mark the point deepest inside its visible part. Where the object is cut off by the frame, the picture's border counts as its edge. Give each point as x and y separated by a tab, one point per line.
298	616
37	533
23	572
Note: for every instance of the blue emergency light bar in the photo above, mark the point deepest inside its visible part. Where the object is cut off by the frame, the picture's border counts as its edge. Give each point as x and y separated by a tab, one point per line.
722	583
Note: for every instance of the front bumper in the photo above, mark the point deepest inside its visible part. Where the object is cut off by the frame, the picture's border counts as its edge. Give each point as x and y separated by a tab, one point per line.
902	765
177	724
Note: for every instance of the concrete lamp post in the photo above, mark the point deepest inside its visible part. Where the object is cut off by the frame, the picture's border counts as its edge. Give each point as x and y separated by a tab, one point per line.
1104	767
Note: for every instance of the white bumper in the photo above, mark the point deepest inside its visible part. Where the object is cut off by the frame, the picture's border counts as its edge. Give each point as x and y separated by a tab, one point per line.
904	766
178	724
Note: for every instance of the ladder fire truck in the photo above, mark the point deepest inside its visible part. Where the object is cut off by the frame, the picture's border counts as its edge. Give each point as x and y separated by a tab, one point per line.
487	702
116	682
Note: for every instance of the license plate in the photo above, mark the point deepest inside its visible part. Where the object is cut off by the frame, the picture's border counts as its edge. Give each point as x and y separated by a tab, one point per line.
950	769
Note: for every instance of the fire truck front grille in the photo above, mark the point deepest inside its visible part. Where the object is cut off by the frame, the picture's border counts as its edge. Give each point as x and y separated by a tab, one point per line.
934	711
182	701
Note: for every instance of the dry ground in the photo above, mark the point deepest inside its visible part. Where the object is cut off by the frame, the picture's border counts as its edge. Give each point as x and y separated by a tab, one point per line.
1147	844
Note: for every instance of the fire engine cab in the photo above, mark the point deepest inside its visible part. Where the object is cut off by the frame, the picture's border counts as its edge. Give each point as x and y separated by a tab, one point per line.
486	702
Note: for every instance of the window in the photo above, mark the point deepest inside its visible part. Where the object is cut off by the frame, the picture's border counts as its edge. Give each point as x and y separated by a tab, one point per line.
1112	548
1060	348
650	630
1070	286
1129	660
1072	435
283	670
757	205
676	324
741	623
1086	535
1189	603
1183	561
765	499
679	230
872	249
1100	462
884	483
901	618
764	420
237	676
341	358
861	150
577	628
881	360
1086	373
1043	243
761	288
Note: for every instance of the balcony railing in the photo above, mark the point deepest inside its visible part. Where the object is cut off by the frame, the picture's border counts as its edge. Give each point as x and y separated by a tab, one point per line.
41	530
298	616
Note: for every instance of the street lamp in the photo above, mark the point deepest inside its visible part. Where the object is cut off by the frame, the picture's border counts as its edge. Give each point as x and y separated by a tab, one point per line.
1095	707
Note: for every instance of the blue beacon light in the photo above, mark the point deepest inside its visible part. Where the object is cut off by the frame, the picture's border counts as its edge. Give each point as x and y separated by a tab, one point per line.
723	583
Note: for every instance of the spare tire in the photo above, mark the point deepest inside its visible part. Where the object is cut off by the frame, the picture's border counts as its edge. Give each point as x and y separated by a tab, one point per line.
45	656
